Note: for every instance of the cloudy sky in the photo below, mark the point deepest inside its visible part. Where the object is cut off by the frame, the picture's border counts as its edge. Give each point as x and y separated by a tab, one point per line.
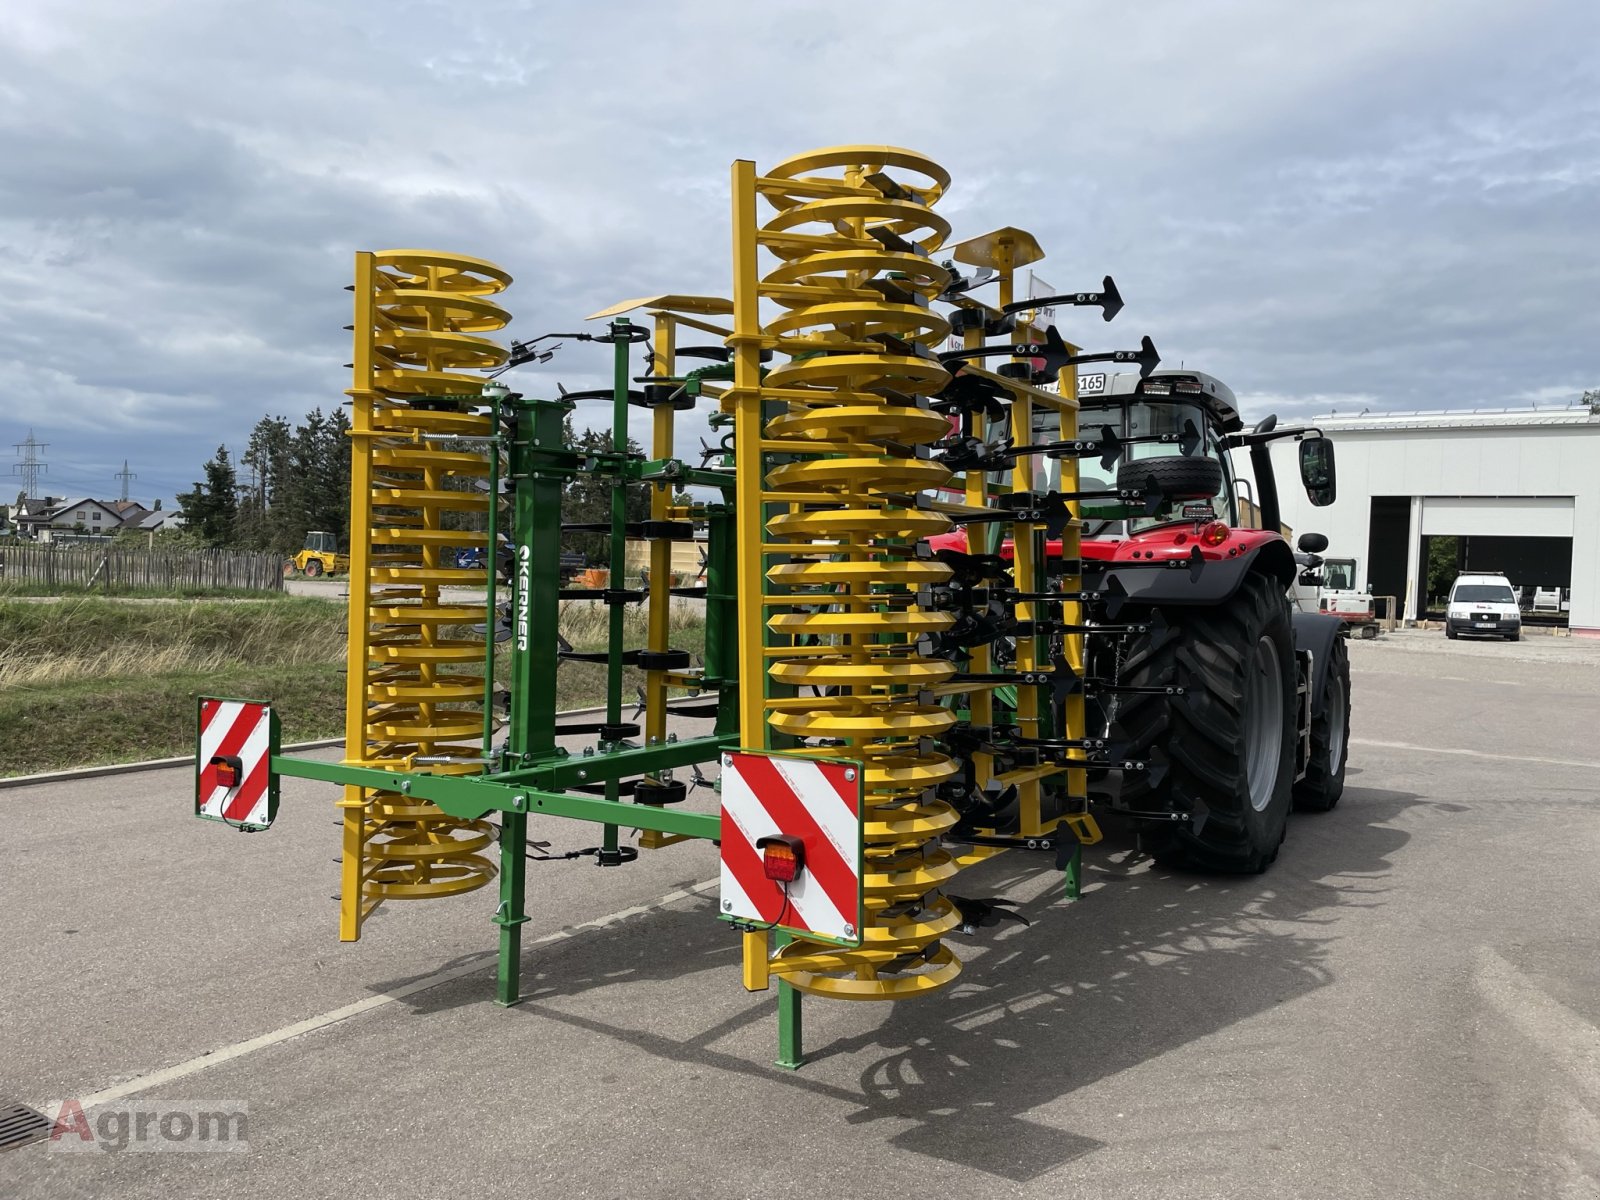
1344	205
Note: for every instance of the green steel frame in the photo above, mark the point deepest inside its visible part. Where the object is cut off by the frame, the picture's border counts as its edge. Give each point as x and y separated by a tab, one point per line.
531	773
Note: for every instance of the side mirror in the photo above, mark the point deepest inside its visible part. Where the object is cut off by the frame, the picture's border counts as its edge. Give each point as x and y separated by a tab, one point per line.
1312	543
1317	470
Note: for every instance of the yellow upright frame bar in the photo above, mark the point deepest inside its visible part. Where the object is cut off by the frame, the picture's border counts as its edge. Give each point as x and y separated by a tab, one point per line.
352	901
746	396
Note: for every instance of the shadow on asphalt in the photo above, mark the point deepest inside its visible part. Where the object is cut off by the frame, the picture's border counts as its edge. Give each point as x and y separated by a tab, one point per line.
1147	963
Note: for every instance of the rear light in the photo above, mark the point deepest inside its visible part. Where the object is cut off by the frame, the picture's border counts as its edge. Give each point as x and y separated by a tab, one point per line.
783	856
1191	386
1152	388
227	770
1215	533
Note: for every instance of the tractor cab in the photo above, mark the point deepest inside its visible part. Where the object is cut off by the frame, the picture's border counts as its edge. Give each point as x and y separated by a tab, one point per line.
1170	425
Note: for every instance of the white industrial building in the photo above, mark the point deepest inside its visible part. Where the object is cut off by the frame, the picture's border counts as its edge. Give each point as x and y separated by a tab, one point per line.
1518	490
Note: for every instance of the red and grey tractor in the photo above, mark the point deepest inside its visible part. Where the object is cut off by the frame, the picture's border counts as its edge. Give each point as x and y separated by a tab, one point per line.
1233	706
1247	699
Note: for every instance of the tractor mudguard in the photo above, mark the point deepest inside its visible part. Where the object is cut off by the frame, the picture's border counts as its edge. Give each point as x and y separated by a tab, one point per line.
1216	584
1316	632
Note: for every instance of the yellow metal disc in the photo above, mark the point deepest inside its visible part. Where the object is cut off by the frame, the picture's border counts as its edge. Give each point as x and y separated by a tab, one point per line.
432	349
882	474
447	272
865	318
942	968
430	614
433	420
866	159
908	874
430	576
446	877
890	672
909	572
908	821
469	689
910	721
418	308
875	522
426	383
858	422
909	772
421	498
937	918
907	621
908	219
912	271
410	535
447	725
918	376
418	458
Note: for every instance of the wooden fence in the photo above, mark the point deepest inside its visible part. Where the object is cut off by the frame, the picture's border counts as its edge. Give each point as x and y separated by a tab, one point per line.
117	568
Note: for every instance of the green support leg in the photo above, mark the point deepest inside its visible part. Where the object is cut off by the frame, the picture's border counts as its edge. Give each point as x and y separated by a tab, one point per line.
511	915
1075	873
791	1030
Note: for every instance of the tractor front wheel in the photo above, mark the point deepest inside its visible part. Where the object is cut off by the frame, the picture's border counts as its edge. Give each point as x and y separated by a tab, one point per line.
313	567
1229	737
1323	784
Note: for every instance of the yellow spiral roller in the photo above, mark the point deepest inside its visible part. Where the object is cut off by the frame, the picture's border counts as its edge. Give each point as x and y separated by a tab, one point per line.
416	686
852	231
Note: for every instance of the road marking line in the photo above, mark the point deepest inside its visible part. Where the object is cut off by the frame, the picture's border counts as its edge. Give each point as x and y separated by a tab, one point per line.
143	1083
1572	1041
1452	750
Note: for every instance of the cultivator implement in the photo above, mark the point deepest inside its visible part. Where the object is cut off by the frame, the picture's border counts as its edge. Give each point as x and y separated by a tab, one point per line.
913	659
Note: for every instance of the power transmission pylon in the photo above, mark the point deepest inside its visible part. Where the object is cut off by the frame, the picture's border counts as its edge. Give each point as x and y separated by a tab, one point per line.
125	475
31	464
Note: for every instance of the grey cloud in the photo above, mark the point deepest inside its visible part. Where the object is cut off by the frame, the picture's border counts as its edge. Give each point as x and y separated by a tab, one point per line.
1379	204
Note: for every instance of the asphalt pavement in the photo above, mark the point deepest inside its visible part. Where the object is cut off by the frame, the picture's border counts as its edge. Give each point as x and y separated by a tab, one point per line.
1406	1004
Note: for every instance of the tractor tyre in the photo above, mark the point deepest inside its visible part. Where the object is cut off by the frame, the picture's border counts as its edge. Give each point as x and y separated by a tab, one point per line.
1177	477
1229	739
313	568
1323	784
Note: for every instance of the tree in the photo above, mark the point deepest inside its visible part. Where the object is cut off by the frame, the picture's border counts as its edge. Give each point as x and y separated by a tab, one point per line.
213	506
269	522
1444	564
157	508
1592	399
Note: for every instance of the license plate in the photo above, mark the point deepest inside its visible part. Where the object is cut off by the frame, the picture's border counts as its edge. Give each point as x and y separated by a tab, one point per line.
1484	624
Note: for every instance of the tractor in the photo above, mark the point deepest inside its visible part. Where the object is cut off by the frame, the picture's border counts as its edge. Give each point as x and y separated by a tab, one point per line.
319	557
1245	701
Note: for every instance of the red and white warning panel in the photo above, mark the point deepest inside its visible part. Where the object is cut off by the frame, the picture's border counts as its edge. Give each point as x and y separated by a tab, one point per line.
791	845
234	781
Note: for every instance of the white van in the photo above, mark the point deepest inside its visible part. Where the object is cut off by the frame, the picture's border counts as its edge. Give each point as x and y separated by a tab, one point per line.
1482	604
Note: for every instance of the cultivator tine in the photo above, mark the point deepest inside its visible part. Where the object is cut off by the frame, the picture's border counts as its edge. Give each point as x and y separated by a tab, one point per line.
1113	448
1107	299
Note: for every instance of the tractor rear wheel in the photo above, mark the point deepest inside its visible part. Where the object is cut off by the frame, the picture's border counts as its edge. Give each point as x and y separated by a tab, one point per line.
313	567
1229	739
1323	784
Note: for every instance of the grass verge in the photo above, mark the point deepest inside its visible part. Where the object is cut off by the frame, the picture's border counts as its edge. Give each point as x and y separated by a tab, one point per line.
19	588
90	681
